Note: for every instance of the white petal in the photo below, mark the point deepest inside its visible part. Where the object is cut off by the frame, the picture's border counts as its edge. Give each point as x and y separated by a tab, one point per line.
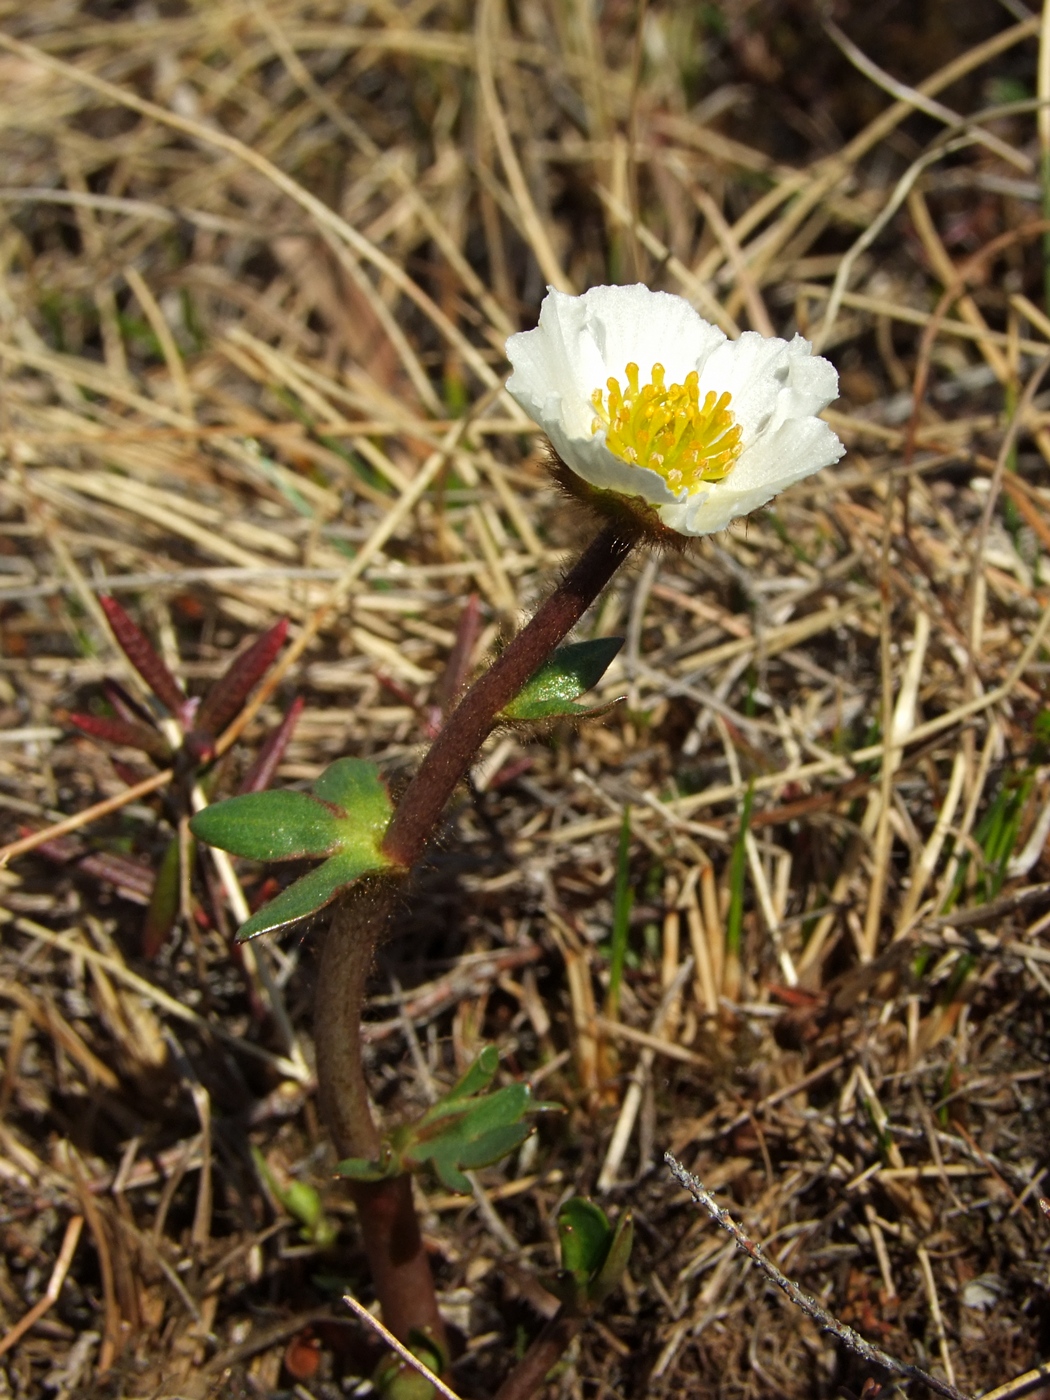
590	459
795	450
753	370
813	382
771	381
634	324
776	388
581	341
556	366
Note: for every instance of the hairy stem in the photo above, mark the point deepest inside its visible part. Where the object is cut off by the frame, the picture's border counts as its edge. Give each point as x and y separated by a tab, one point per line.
466	729
389	1227
529	1374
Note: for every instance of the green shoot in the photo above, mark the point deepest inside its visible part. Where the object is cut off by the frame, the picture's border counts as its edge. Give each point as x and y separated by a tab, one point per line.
737	870
623	900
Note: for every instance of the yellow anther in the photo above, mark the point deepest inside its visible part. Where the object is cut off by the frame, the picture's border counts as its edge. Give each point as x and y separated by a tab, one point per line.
667	429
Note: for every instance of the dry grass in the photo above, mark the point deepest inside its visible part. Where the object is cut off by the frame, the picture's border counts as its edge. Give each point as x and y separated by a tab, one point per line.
256	263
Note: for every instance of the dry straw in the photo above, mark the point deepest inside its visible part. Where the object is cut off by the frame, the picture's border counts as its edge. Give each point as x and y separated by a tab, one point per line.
257	266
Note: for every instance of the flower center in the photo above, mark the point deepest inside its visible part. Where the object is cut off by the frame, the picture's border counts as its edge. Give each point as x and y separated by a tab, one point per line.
667	429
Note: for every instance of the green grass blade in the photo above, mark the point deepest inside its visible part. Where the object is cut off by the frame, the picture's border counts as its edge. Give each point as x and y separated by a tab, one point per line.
623	900
737	870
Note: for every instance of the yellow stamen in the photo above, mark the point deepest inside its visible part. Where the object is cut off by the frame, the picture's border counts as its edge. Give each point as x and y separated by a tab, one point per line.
667	428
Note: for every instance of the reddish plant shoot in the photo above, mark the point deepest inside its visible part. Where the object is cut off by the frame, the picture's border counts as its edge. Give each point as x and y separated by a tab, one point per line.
142	654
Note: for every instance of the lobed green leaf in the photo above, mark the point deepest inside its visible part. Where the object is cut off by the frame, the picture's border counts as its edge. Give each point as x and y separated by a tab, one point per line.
354	786
344	818
455	1152
274	826
311	893
463	1095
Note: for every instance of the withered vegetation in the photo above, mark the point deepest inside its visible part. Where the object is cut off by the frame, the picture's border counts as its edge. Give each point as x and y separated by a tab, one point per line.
257	265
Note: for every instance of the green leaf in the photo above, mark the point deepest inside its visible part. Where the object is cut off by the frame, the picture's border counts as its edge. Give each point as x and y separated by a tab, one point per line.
354	786
304	1203
344	818
480	1075
623	901
737	872
360	1169
310	893
561	679
585	1235
301	1201
616	1260
394	1379
454	1138
594	1254
467	1128
455	1152
348	811
274	826
164	902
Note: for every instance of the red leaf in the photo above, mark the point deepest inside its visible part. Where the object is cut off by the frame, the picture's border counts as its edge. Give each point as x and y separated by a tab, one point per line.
125	704
132	878
140	651
508	773
59	848
796	996
226	697
260	775
122	731
188	607
200	747
457	667
270	887
127	774
397	690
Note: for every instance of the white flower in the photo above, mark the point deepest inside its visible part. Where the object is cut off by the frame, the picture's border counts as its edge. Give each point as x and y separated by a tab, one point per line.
640	396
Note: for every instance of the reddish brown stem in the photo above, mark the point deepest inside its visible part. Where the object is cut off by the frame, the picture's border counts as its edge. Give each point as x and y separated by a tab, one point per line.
530	1372
389	1228
453	750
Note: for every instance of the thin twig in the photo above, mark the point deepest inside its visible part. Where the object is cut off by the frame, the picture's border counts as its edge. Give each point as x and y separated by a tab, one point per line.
84	818
875	1356
402	1351
54	1286
1021	1385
